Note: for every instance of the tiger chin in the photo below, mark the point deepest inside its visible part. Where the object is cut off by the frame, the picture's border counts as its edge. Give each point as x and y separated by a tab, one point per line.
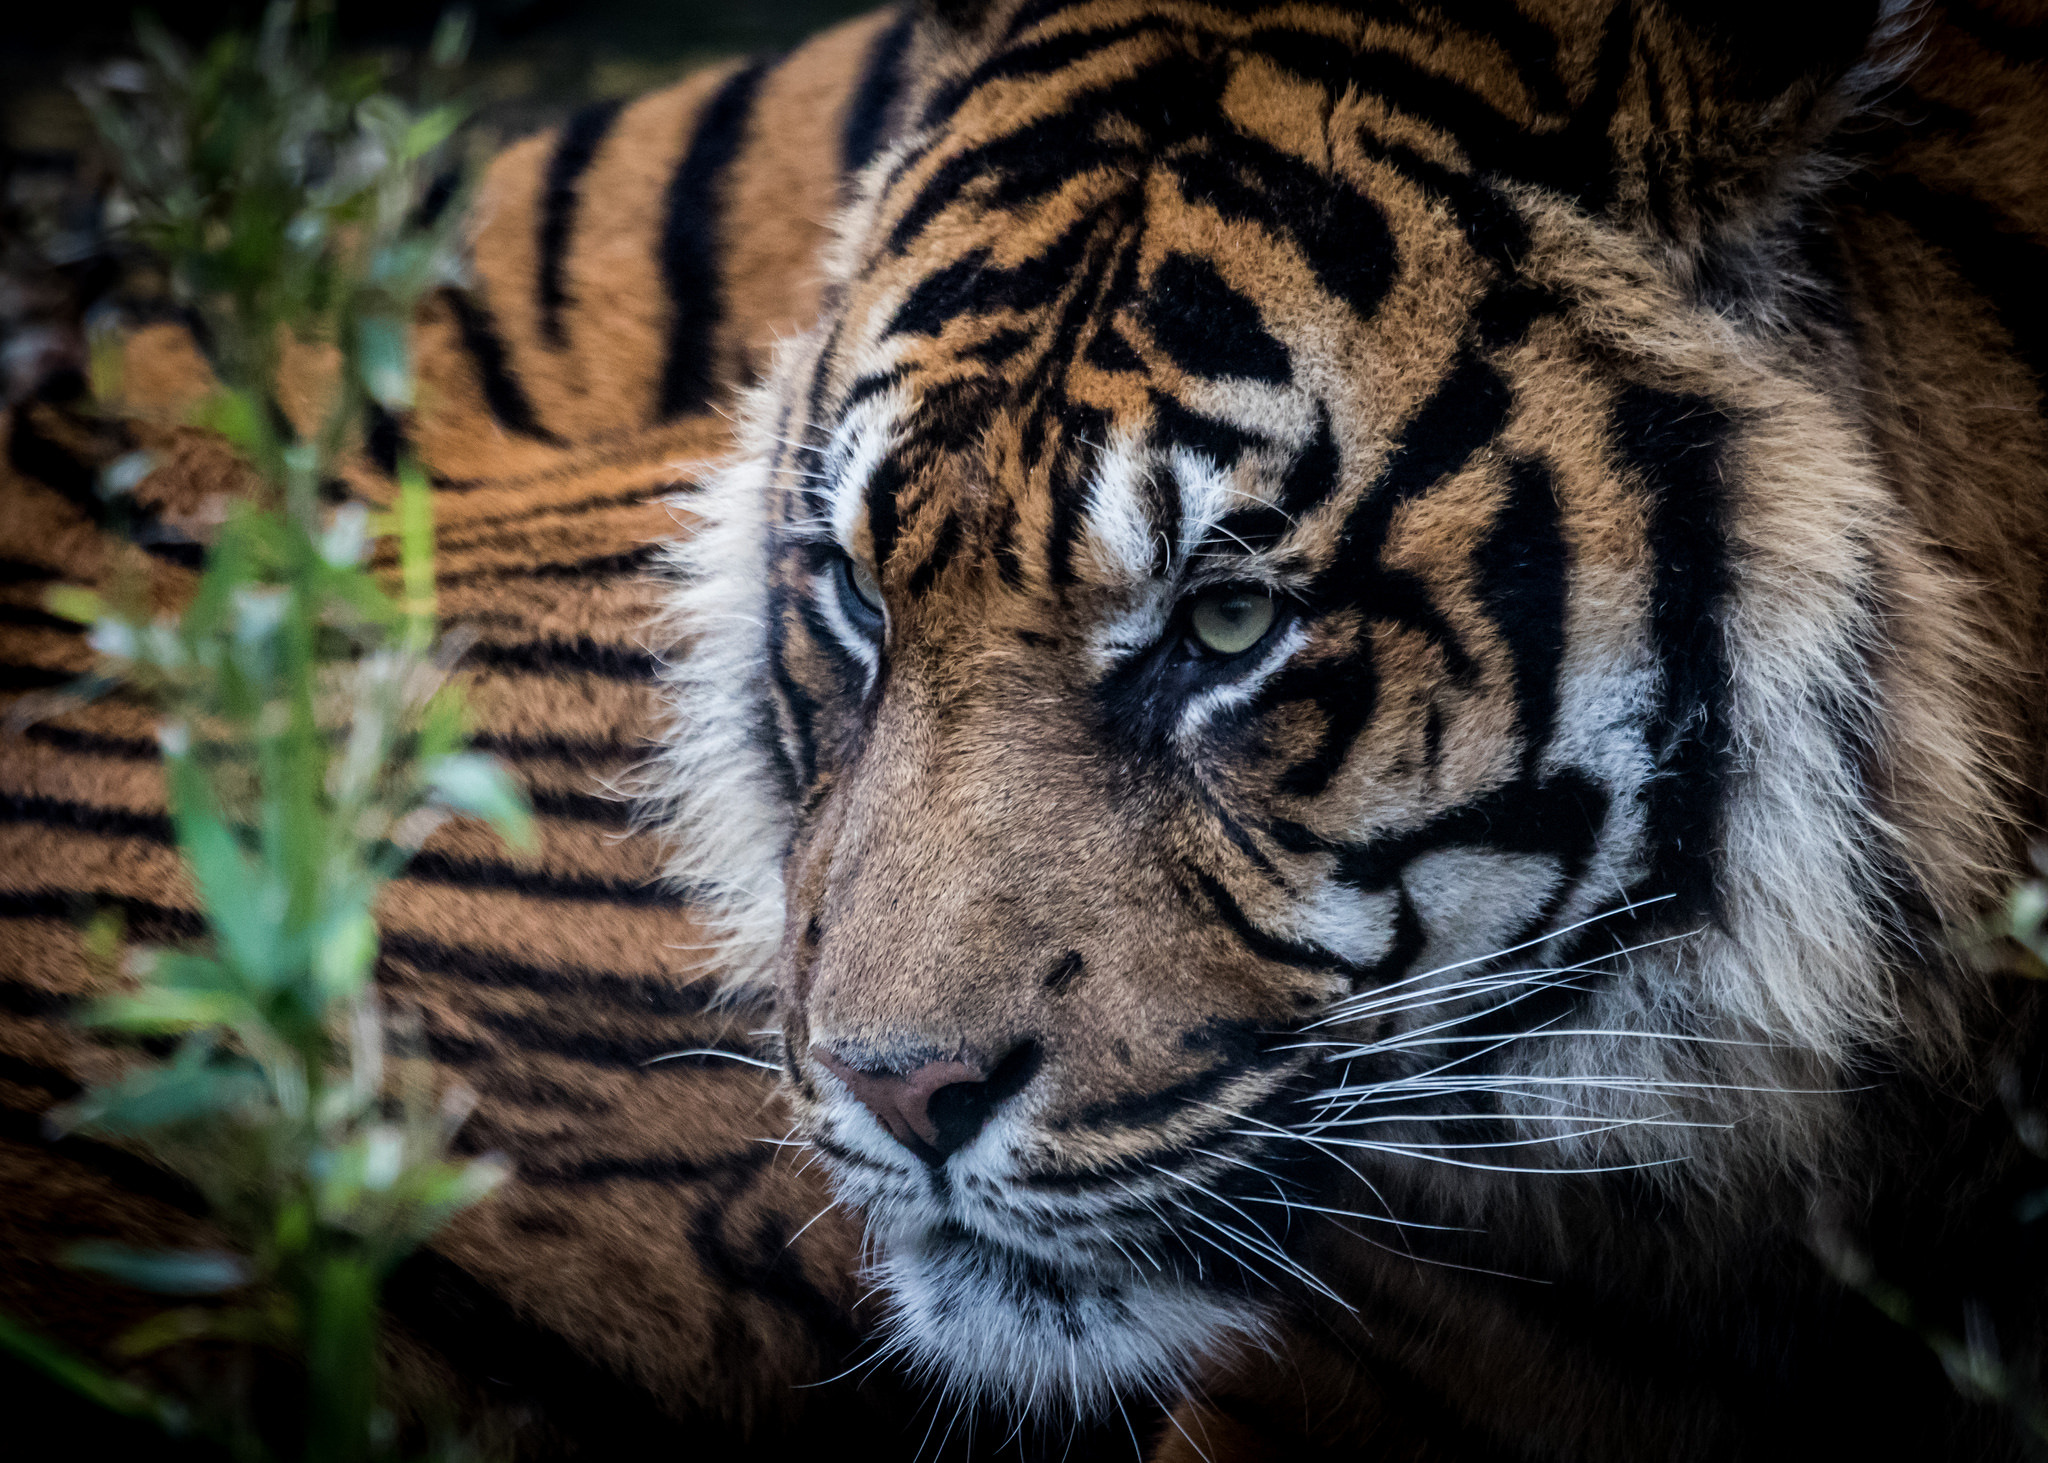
1333	709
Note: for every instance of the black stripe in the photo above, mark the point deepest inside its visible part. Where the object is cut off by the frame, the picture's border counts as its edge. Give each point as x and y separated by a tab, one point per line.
1238	1047
135	1174
384	440
574	150
944	547
84	817
35	677
799	711
507	399
92	743
1259	942
691	242
1522	571
582	807
667	1169
426	868
1674	445
1467	412
76	479
19	998
580	656
468	873
60	1085
1038	58
618	566
28	617
21	571
566	749
571	1039
53	464
548	512
1561	818
142	919
644	995
881	81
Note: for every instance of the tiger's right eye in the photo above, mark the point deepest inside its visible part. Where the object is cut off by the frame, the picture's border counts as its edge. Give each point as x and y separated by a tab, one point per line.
861	580
1231	621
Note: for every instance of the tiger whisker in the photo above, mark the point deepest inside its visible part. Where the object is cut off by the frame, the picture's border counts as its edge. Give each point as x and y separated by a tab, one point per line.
1391	1119
1279	1255
1367	1003
1628	907
712	1051
1429	1155
1270	1251
1253	1168
809	1222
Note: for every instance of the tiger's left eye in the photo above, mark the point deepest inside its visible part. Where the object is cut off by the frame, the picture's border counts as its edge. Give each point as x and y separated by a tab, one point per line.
861	580
1230	621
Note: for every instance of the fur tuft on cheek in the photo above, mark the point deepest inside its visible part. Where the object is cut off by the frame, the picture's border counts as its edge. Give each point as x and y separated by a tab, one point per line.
712	790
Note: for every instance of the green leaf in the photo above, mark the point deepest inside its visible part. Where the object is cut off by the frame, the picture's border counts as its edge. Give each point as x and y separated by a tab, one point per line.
452	36
125	473
341	1359
154	1010
167	1272
2027	917
198	1323
73	603
344	953
469	782
237	417
89	1382
347	536
430	131
196	1085
232	890
384	361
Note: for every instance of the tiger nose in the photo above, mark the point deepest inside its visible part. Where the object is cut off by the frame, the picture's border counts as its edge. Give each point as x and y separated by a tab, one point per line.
938	1108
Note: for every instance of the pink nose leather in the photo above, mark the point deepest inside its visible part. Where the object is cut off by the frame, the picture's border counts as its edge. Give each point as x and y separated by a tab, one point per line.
901	1102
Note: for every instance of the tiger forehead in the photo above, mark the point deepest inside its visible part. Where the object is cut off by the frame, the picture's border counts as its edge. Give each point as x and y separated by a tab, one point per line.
1175	497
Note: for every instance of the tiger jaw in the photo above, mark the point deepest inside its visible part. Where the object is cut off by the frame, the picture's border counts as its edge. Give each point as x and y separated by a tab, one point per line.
1012	1281
1046	1337
1025	1296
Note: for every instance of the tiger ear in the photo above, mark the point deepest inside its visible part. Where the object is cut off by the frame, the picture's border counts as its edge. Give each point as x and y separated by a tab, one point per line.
1722	109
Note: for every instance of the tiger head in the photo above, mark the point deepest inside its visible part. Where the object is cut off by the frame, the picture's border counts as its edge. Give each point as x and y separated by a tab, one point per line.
1299	654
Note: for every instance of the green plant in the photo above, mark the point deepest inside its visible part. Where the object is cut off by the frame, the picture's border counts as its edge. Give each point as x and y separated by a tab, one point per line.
311	736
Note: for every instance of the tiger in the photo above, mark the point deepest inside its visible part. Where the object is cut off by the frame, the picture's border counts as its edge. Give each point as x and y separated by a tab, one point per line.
1504	538
1353	693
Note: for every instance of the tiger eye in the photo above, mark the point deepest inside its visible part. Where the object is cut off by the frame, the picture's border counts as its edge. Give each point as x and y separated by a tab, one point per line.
1230	621
863	581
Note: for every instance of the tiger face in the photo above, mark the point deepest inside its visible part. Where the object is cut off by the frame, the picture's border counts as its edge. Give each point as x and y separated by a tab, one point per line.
1220	698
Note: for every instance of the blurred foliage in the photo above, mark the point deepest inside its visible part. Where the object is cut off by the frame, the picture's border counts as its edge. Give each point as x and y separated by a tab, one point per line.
311	736
2026	920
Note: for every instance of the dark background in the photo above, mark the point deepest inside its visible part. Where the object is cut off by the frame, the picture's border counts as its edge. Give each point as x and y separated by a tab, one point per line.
533	51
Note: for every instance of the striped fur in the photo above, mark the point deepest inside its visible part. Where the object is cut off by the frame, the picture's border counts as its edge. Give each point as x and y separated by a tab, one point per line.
1651	692
642	1285
1652	444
